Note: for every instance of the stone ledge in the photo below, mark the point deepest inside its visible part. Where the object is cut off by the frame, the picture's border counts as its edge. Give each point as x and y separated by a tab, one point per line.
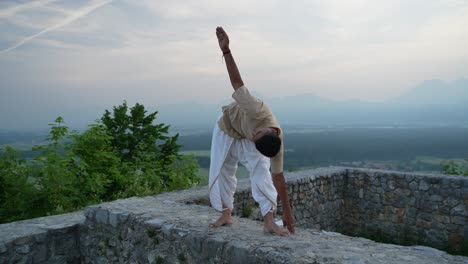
52	239
183	235
173	228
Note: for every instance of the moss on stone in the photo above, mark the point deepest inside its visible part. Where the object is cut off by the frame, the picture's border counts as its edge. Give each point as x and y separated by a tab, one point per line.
151	233
159	260
247	211
155	241
181	257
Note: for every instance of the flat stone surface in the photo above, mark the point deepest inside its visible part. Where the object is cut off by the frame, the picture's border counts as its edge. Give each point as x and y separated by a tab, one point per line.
173	213
27	229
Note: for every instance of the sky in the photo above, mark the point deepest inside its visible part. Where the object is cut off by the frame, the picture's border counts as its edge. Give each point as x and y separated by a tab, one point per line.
60	56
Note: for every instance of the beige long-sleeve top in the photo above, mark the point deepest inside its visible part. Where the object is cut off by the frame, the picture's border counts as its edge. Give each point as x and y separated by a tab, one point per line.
247	113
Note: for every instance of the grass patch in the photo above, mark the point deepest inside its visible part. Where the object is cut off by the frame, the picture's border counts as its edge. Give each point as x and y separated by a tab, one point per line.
247	211
159	260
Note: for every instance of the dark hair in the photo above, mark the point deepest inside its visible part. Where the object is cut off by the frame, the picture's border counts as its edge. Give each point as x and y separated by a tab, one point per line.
269	145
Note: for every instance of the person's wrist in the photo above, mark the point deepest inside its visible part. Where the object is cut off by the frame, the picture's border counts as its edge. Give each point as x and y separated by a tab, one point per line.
226	51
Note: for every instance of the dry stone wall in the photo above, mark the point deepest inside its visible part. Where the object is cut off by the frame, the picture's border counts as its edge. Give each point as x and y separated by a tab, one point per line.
413	209
53	239
386	206
407	208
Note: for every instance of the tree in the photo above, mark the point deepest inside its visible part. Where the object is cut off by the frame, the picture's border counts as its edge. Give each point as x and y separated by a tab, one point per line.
101	178
455	167
19	198
147	152
56	170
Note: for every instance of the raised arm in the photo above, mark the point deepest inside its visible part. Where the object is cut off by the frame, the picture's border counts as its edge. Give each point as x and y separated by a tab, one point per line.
234	74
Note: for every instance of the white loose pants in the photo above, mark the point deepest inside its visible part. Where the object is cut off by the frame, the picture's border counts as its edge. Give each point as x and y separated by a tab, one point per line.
226	153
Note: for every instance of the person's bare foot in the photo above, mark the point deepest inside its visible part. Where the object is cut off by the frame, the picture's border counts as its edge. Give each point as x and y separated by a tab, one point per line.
224	219
269	226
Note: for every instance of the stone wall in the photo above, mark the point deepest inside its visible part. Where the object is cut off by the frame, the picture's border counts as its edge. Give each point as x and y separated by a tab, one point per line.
317	199
407	208
386	206
173	227
53	239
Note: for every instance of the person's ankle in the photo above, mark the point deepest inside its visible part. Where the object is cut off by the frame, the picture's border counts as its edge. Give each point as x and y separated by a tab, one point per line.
227	212
268	218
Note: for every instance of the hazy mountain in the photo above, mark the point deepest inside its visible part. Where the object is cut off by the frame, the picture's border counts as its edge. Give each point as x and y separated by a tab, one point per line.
436	92
432	103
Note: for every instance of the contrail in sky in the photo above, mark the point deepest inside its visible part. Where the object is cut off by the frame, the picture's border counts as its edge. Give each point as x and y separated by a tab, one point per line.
77	15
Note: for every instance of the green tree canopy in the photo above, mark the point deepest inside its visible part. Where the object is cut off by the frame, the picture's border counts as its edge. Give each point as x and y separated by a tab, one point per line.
124	154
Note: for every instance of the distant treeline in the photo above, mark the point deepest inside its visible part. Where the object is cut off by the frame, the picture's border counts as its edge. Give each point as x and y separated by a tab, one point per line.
25	137
330	147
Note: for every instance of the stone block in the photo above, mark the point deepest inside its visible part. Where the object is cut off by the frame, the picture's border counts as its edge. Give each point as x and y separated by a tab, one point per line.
445	184
450	202
40	253
456	183
3	248
20	259
459	210
102	216
391	185
413	186
156	223
59	260
113	219
23	249
464	192
424	186
64	245
41	237
436	188
90	212
436	198
426	216
239	252
23	240
458	220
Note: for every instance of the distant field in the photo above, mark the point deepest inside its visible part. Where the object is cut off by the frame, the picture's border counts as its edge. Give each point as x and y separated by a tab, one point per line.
19	146
407	149
197	153
435	160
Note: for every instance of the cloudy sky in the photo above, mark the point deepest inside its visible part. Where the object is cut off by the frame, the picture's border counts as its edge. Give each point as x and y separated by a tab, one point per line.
69	56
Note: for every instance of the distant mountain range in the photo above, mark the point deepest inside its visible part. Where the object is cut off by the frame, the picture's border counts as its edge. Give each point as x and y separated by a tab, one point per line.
432	103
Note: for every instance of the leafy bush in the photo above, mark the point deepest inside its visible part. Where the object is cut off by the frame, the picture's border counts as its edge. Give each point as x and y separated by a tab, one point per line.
455	167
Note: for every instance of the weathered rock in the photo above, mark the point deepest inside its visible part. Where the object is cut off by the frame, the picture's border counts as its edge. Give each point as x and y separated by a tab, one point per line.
424	186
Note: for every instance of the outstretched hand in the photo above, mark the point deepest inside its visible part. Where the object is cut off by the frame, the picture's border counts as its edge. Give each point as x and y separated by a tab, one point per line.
288	222
223	39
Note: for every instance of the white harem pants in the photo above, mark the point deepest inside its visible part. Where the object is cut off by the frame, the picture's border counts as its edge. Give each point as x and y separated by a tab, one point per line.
226	153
